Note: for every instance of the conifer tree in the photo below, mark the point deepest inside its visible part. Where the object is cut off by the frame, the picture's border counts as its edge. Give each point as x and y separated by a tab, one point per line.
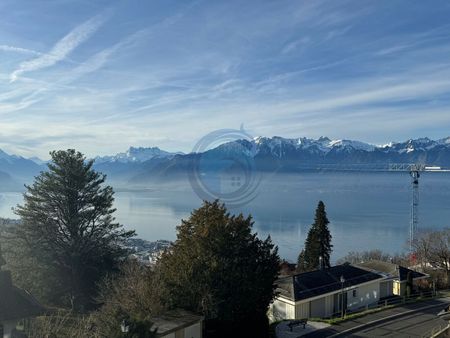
219	268
317	251
67	231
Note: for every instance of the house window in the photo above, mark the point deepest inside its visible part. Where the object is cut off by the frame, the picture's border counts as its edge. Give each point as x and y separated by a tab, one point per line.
354	293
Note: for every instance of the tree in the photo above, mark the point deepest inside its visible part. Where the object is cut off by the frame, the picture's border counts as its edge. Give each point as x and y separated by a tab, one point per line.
134	296
218	268
317	250
67	233
301	264
432	249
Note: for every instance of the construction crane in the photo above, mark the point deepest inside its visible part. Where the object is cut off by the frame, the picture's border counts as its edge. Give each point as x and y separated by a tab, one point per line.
414	170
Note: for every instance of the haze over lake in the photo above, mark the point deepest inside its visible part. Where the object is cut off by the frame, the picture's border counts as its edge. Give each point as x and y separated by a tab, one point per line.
366	210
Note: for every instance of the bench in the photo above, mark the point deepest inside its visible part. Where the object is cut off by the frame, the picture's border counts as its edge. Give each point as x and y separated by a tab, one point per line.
293	323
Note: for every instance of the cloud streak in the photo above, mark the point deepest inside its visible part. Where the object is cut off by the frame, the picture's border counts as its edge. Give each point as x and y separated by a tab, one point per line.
14	49
62	48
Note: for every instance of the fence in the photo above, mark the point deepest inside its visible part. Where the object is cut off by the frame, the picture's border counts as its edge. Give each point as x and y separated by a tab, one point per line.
392	301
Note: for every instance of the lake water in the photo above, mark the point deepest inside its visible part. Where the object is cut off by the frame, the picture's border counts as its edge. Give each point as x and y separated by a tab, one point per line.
366	210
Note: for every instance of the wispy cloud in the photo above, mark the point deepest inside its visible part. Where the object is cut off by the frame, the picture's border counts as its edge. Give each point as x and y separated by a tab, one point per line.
14	49
304	69
63	47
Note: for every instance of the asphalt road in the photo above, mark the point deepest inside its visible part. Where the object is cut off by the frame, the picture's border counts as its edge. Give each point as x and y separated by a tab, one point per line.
412	320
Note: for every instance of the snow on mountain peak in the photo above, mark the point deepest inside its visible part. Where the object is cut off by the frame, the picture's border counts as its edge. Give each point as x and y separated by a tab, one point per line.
356	145
135	154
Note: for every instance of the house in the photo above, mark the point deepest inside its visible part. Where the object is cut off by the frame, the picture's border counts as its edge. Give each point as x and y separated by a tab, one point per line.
395	276
15	304
178	324
324	293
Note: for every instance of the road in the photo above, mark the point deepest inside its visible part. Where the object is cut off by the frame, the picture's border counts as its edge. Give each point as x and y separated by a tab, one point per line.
412	320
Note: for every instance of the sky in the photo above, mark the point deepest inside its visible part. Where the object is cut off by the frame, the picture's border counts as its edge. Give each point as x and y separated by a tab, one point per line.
100	76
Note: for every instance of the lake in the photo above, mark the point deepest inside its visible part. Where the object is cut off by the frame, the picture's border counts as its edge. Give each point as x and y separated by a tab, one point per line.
366	210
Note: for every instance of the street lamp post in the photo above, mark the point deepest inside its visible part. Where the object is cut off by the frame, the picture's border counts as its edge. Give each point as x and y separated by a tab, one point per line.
125	326
342	296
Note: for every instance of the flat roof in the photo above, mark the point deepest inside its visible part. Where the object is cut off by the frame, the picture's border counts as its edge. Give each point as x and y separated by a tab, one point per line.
175	320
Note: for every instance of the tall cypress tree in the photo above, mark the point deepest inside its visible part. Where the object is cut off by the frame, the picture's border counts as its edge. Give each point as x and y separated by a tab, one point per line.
317	244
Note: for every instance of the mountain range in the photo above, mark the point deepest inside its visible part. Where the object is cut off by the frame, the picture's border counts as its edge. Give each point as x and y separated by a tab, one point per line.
139	165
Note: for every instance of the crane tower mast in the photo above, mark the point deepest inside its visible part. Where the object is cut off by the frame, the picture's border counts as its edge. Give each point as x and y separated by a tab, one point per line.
414	222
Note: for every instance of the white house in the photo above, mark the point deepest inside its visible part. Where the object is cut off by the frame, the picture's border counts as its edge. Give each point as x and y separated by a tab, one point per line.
323	293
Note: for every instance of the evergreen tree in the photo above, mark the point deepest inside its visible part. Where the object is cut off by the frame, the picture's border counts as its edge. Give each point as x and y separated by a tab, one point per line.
317	251
301	261
67	237
219	268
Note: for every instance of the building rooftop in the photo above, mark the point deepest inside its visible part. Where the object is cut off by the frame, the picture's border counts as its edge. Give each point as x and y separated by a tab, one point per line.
315	283
16	303
174	320
390	270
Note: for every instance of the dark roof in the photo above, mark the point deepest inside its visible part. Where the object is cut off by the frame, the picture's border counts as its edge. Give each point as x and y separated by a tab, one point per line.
390	270
174	320
315	283
16	303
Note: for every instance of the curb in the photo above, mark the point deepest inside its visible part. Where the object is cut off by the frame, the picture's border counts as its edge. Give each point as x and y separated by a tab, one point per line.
377	321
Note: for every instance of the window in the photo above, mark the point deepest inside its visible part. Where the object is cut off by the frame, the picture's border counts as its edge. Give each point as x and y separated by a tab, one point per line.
354	293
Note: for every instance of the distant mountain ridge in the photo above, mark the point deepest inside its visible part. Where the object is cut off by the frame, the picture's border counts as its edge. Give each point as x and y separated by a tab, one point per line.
136	154
139	164
325	145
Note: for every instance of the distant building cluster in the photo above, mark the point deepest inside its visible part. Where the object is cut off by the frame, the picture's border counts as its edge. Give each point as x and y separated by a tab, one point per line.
147	252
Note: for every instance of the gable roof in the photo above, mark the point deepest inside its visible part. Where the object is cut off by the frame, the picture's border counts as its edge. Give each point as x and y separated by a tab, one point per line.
315	283
16	303
390	270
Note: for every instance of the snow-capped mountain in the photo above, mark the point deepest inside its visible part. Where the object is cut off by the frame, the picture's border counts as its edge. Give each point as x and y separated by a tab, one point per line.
322	145
279	146
296	154
268	154
136	155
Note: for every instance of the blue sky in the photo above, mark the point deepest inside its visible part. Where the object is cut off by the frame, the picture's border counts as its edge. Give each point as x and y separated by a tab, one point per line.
100	76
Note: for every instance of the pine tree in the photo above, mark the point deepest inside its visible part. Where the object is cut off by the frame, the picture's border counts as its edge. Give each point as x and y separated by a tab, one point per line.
67	239
301	264
317	250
